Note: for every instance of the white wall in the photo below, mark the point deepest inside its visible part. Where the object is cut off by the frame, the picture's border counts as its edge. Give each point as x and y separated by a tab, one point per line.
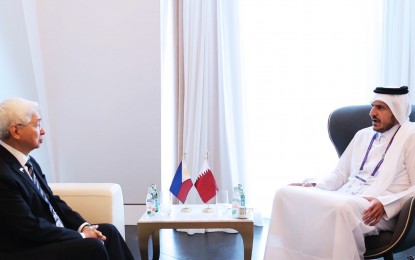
16	69
100	80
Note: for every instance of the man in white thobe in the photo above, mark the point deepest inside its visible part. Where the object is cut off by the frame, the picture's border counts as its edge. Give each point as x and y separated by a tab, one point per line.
363	195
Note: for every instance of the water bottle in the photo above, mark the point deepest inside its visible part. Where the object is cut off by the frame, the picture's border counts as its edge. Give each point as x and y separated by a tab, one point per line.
150	205
243	199
235	201
242	195
156	197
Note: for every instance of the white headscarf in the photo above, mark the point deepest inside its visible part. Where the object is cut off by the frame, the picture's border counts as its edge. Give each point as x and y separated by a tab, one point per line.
400	105
401	108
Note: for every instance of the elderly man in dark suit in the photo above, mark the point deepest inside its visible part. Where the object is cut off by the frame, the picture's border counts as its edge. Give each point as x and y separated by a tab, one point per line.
34	223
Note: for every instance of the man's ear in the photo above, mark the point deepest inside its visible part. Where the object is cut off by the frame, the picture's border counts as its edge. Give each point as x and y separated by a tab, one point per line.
14	131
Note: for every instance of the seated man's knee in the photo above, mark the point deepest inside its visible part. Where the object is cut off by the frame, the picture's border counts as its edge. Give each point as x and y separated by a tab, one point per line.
87	248
107	229
95	247
348	205
283	191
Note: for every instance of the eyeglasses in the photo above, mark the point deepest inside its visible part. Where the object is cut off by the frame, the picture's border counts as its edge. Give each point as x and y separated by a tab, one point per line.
38	125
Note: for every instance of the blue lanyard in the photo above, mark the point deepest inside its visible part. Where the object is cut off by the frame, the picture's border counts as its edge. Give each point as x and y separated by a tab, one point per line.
383	156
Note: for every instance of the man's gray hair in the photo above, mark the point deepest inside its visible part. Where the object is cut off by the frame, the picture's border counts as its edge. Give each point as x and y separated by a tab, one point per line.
15	111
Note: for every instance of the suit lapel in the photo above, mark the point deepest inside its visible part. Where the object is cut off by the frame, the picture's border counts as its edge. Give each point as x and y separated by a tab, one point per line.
18	170
14	163
45	188
36	171
40	178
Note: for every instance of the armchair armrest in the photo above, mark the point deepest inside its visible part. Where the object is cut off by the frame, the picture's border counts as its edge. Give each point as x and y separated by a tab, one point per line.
400	239
96	202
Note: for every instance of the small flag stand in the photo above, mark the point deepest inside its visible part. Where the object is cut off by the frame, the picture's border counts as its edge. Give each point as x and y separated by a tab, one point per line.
208	209
205	185
186	209
181	184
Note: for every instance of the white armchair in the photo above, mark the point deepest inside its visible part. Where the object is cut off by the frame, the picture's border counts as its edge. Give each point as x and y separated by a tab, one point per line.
96	202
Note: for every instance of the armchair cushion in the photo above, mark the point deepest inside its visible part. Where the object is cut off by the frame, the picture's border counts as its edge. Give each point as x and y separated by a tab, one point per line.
96	202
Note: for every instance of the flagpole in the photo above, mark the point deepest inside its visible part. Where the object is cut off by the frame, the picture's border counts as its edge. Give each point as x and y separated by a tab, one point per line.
185	209
208	209
181	184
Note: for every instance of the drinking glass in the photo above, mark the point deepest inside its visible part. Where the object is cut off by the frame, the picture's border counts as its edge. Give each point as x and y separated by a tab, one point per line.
222	202
165	202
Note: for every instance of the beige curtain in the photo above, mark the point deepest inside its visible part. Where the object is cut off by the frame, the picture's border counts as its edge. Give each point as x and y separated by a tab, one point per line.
207	105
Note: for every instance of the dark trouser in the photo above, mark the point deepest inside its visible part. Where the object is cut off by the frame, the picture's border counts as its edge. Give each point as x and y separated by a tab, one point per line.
114	248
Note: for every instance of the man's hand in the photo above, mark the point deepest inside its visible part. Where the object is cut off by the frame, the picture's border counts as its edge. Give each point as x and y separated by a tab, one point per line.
92	231
302	184
375	211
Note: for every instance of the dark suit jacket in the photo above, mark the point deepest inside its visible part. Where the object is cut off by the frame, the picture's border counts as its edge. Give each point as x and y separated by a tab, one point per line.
25	218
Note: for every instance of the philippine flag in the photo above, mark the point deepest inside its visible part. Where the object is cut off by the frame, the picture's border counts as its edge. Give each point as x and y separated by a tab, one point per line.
181	183
205	183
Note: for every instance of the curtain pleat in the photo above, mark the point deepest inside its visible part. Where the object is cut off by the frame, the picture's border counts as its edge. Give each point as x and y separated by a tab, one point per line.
208	101
398	44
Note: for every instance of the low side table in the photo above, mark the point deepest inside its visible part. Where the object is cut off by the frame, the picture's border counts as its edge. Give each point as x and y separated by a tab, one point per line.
195	219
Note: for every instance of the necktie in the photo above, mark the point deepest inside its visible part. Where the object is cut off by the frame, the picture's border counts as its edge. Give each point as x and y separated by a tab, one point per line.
58	221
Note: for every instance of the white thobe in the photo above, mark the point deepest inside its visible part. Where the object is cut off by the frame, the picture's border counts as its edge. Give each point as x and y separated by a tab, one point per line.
326	222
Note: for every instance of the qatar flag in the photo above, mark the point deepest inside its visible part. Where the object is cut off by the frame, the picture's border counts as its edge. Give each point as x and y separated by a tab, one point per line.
205	183
181	183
